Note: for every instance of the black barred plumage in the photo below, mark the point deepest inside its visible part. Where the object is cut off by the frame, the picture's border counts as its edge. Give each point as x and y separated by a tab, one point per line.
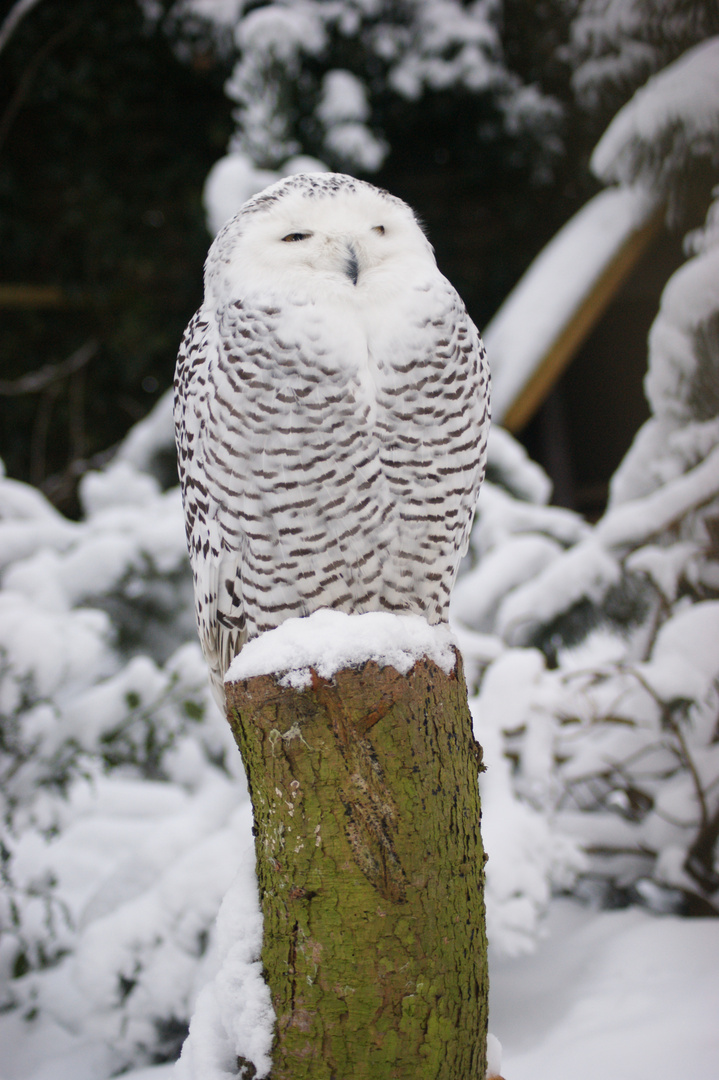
332	413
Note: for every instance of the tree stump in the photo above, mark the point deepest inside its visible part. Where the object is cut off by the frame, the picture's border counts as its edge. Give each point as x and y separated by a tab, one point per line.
370	868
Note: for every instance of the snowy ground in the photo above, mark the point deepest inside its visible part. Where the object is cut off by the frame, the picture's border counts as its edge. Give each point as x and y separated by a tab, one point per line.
623	995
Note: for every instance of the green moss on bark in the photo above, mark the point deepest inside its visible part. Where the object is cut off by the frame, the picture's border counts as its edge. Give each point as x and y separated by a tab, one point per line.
370	869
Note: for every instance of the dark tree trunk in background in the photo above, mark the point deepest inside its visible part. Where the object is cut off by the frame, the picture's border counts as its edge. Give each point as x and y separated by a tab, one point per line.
370	868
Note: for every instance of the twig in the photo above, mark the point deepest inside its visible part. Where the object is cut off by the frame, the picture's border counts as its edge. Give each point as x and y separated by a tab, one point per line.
23	87
76	425
60	486
40	380
40	429
700	857
683	753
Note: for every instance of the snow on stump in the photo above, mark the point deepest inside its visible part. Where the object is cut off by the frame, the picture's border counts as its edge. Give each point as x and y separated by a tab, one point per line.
362	767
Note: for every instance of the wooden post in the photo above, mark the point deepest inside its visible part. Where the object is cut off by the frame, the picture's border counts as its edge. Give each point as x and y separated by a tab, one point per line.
370	868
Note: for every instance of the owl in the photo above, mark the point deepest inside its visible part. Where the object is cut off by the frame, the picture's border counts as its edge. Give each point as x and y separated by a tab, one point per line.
331	415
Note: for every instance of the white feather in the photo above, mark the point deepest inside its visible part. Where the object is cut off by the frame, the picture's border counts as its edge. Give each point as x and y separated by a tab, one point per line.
332	415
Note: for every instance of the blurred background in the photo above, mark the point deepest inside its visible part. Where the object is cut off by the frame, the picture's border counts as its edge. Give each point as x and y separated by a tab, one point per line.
481	115
564	157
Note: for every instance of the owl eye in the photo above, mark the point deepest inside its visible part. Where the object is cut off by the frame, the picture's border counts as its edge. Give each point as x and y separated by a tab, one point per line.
379	229
293	237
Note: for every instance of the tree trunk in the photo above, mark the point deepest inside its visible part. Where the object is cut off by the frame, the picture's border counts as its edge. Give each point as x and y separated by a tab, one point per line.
370	868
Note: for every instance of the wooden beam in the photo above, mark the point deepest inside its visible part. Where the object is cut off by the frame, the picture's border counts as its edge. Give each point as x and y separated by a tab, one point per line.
32	296
574	332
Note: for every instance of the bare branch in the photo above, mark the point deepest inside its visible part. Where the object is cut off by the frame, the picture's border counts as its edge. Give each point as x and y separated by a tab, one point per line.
683	752
37	381
28	76
59	487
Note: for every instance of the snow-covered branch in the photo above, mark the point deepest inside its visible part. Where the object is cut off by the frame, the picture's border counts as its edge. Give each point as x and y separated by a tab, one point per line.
671	120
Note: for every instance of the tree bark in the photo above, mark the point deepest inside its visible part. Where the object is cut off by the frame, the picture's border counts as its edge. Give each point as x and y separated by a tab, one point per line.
370	868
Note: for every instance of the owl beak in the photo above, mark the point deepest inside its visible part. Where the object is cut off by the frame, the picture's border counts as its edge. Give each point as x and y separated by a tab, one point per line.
352	264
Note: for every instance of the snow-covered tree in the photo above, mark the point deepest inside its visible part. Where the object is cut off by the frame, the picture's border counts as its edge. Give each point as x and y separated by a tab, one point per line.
126	819
119	778
590	650
616	45
337	85
611	680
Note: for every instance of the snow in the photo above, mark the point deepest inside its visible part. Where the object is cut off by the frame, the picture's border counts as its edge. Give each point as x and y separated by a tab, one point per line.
233	1015
683	430
665	567
494	1056
501	516
549	294
22	502
150	437
526	856
234	179
129	822
684	664
289	103
221	12
504	568
521	476
692	634
706	236
450	45
141	862
129	893
142	867
17	11
328	641
631	523
123	538
22	509
625	994
622	994
343	98
59	652
689	302
585	571
523	582
618	44
356	145
673	116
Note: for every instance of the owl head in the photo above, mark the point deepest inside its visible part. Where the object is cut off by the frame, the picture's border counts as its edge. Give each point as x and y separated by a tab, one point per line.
317	236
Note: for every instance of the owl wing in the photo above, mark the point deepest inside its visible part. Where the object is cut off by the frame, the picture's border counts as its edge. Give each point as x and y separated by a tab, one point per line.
433	420
286	505
216	567
466	397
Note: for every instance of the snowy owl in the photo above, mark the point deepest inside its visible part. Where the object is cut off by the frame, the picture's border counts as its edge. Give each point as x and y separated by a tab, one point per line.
331	412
